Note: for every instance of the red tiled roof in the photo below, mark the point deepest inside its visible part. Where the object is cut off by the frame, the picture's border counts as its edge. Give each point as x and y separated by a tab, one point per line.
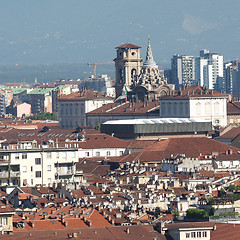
190	225
128	45
83	95
226	231
233	108
231	134
127	108
194	91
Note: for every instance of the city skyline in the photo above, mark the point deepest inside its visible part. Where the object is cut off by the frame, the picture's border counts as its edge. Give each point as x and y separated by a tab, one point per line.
50	32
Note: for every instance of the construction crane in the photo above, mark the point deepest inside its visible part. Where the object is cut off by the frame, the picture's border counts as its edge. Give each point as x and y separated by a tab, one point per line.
97	64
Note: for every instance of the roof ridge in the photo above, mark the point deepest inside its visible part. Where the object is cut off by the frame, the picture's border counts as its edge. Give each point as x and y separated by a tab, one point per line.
235	105
109	110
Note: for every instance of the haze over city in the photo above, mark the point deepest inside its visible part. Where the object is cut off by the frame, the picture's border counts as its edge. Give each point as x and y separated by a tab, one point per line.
60	31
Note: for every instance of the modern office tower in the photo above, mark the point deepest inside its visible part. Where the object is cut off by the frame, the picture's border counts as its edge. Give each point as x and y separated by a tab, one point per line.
209	70
183	70
231	78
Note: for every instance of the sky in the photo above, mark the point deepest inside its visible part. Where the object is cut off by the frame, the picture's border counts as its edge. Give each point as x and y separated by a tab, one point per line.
81	31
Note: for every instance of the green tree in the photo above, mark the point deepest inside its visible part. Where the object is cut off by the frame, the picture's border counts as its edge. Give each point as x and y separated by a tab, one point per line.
43	116
196	213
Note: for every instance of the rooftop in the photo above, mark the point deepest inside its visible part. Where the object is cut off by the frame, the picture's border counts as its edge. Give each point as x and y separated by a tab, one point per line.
83	95
194	91
128	45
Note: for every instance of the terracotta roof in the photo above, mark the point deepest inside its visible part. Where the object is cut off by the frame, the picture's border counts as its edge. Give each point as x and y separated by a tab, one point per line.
231	134
106	233
83	95
190	146
226	231
194	91
127	108
233	108
128	45
190	225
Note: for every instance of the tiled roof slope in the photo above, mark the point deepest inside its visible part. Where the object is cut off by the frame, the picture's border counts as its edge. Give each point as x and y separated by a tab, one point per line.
127	108
233	108
226	231
194	91
190	146
231	134
128	45
83	95
100	233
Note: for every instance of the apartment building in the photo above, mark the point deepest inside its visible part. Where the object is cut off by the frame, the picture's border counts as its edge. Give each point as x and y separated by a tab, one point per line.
29	167
209	70
183	70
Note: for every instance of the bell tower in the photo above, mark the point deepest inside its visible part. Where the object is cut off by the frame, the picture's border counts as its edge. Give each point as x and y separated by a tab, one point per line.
128	64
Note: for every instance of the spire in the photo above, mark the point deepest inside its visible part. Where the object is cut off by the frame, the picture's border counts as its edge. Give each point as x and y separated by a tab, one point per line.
149	62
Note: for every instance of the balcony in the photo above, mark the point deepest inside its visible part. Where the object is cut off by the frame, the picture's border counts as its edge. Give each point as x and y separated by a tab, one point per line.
65	173
15	174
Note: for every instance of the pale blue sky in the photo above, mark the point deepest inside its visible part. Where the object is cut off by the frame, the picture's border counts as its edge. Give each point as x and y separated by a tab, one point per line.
79	31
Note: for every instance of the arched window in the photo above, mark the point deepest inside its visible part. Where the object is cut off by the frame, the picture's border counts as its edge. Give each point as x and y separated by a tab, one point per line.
133	74
198	108
207	108
216	107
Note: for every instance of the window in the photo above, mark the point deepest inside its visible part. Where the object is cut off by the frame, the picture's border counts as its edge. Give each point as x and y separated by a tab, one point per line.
24	168
38	174
193	234
204	234
31	181
49	168
38	161
199	234
121	152
24	156
3	221
97	154
49	154
31	168
187	235
108	153
87	154
17	156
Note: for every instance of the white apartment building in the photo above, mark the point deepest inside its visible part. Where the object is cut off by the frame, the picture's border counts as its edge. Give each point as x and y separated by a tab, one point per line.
196	102
73	107
183	70
29	167
209	70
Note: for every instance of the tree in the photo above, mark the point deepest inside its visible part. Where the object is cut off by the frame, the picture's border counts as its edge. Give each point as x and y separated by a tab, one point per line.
196	213
43	116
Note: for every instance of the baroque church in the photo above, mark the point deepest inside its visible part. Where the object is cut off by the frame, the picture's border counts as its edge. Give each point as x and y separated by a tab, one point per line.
138	80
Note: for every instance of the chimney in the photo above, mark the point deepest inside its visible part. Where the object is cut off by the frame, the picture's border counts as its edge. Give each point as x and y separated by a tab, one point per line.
32	224
66	223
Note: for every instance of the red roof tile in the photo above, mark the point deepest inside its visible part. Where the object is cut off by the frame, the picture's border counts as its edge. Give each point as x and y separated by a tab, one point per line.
194	91
128	45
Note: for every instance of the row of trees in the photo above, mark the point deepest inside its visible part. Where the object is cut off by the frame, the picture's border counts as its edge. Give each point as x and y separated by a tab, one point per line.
43	116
